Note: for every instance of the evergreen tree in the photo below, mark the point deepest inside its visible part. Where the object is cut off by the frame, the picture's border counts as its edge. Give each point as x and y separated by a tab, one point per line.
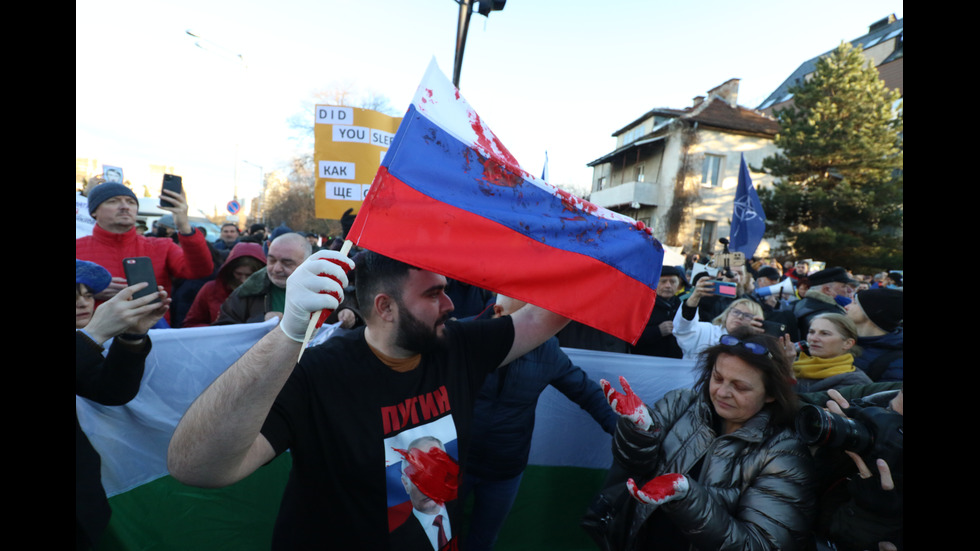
838	191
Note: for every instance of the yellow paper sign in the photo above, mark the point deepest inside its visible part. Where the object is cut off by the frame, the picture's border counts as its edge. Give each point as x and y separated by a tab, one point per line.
349	145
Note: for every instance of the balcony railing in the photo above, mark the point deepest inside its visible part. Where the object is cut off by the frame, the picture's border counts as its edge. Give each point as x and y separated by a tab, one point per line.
628	193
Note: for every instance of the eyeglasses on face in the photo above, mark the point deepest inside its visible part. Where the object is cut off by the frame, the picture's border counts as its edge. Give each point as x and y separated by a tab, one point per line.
741	314
753	347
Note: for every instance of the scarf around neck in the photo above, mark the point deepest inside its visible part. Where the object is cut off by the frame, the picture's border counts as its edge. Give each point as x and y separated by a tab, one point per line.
807	367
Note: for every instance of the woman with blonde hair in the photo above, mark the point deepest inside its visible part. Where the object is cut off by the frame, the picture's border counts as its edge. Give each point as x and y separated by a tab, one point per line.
828	359
693	336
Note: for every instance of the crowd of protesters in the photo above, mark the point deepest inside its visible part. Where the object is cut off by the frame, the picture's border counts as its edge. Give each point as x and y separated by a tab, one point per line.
781	336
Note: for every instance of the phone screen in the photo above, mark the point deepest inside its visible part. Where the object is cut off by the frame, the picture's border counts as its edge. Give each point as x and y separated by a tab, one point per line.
725	289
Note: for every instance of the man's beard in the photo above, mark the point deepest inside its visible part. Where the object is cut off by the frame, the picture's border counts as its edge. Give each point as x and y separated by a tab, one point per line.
416	336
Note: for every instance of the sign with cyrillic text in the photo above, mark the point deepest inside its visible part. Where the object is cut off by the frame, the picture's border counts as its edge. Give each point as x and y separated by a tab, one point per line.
350	145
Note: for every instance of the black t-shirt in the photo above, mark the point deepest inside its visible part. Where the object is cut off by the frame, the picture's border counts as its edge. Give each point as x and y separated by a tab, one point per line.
343	414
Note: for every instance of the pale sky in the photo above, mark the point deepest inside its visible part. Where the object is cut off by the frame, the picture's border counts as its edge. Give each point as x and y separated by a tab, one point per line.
545	75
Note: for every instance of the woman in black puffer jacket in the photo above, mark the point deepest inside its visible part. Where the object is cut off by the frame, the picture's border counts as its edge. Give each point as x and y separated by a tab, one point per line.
719	466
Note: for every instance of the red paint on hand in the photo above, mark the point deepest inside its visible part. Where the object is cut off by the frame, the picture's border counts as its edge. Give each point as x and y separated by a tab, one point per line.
433	472
628	405
662	487
629	402
324	314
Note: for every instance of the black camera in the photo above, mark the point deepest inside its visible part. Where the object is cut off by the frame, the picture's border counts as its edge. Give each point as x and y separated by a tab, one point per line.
871	432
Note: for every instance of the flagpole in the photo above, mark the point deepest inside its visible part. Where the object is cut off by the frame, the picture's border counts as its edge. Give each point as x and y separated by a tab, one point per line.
317	319
465	10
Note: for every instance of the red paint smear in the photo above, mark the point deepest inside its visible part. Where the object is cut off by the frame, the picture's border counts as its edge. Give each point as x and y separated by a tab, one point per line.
661	487
575	204
324	314
433	472
498	174
392	206
491	144
629	402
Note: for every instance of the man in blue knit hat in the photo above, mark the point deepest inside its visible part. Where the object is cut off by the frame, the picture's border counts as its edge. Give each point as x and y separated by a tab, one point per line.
114	237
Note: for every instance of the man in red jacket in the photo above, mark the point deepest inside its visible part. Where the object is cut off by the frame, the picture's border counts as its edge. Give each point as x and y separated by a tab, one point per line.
114	237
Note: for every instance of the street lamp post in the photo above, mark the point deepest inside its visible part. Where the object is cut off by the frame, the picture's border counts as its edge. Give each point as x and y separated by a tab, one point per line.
216	49
261	189
484	7
462	26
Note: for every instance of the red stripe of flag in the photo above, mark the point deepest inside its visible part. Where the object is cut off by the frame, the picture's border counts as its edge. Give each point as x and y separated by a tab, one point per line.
478	251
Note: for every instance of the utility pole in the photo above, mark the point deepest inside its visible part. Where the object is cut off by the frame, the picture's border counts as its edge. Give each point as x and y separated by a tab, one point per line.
484	7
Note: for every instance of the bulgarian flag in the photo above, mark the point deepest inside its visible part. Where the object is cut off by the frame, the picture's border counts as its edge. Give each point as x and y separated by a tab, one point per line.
450	198
150	510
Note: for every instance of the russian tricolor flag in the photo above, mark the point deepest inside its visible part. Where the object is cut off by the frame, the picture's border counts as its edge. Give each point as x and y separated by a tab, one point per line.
451	199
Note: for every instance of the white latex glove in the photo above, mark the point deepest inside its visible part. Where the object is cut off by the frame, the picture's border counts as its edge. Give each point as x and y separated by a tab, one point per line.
316	284
660	490
628	405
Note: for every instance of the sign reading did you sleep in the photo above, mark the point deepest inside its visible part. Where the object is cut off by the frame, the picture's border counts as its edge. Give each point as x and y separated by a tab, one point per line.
350	144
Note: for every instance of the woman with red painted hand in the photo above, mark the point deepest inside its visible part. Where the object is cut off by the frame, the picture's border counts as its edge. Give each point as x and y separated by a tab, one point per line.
718	466
694	335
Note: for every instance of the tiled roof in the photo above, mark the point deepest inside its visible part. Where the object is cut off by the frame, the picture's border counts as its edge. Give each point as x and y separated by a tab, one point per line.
661	111
721	115
879	34
714	112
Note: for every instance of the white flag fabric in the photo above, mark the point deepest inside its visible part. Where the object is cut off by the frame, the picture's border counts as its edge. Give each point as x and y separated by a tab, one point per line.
133	439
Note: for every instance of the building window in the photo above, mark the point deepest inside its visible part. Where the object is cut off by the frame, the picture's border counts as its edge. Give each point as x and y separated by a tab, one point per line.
704	231
710	170
639	173
633	134
602	182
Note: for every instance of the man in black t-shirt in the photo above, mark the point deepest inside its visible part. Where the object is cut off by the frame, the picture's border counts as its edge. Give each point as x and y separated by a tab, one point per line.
352	406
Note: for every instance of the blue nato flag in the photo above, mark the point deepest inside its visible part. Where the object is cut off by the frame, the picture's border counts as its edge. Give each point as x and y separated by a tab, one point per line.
748	219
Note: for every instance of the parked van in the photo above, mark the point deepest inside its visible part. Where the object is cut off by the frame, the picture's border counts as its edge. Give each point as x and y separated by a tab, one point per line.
150	212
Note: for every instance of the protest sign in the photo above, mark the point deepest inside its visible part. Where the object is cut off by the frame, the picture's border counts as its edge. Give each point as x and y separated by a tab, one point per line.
350	144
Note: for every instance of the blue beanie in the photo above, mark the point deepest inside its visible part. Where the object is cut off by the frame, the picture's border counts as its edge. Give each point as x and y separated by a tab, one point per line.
105	191
95	277
281	229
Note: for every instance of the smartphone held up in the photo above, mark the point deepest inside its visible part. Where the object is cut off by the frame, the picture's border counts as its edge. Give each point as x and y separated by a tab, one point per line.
725	289
171	182
139	269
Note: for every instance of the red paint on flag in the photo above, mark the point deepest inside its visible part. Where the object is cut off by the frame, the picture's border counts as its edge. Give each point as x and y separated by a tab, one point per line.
493	147
445	244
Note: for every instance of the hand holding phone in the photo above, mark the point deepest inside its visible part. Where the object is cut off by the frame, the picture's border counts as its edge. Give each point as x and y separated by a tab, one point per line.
174	183
139	269
774	328
725	289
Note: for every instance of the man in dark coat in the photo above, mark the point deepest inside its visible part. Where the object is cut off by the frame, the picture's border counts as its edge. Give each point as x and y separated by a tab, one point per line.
826	287
263	294
878	315
658	338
